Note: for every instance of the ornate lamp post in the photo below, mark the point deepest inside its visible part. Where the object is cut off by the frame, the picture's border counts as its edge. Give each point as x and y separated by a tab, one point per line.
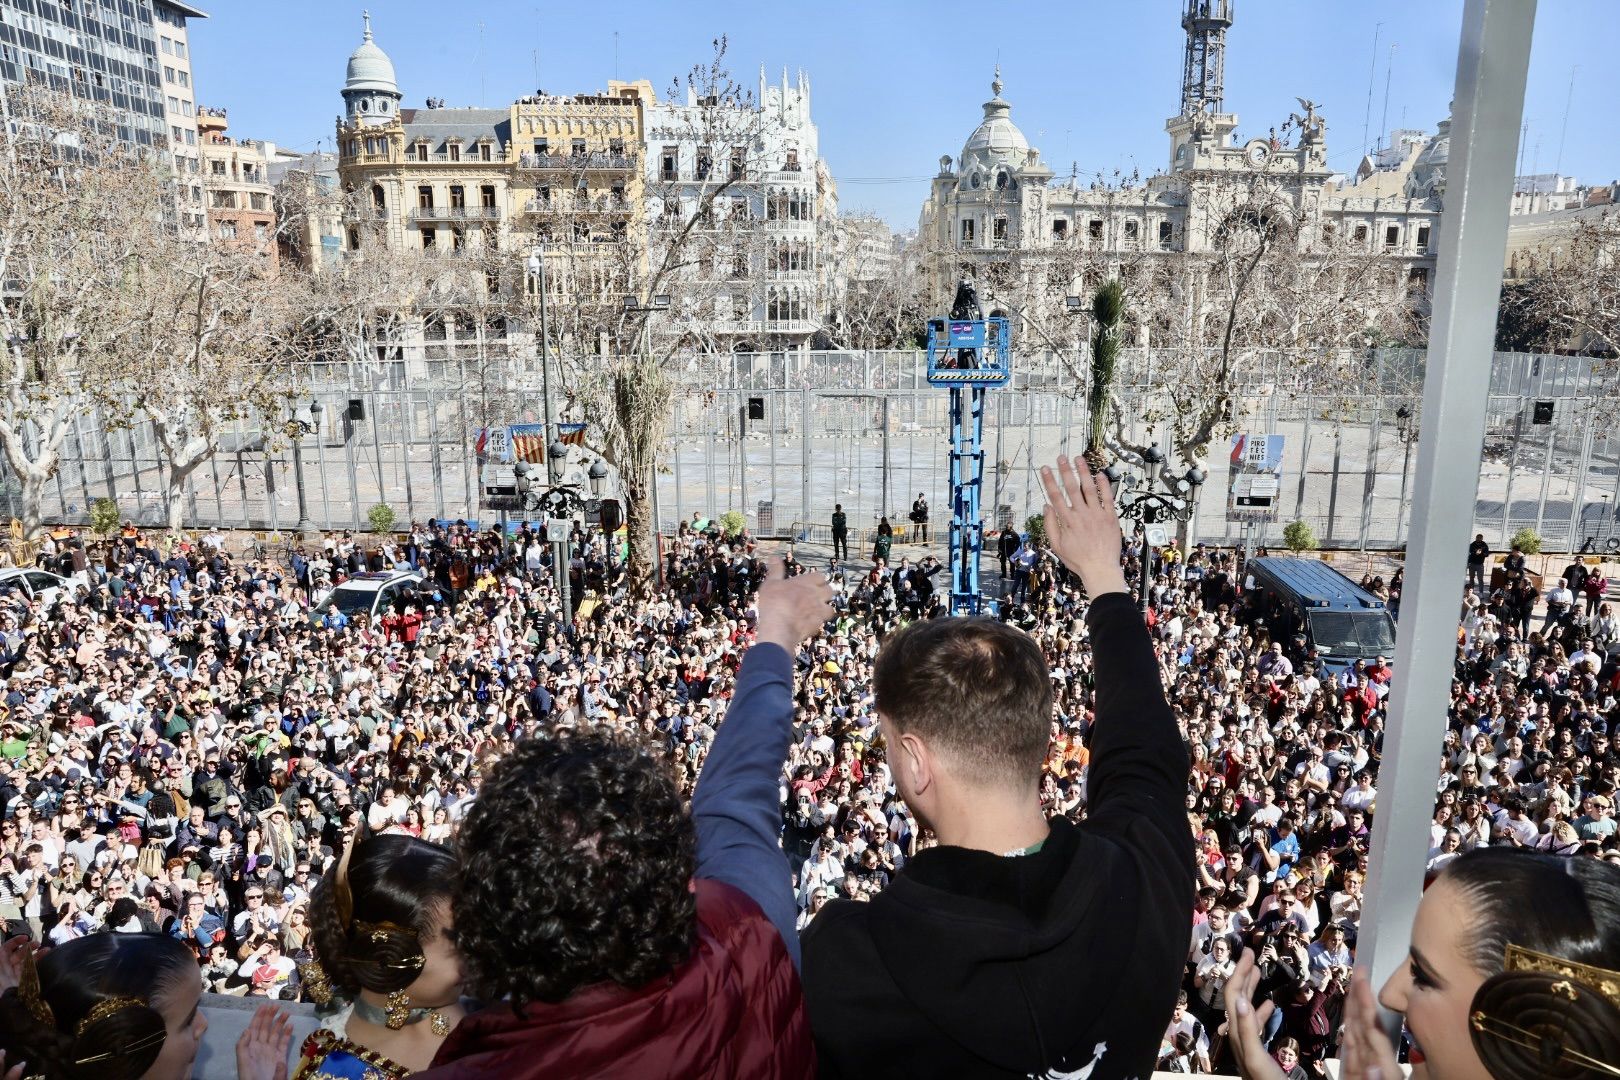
1150	506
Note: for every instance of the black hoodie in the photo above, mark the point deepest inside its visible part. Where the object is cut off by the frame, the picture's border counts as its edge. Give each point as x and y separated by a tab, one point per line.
1064	963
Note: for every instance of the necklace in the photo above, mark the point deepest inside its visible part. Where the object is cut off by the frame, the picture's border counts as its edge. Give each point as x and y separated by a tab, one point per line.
398	1013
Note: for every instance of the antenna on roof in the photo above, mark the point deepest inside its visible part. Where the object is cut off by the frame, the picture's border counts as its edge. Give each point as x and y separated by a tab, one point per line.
1372	73
1558	163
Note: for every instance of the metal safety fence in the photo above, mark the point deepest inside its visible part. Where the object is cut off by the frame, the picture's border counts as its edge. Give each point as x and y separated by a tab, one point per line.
784	437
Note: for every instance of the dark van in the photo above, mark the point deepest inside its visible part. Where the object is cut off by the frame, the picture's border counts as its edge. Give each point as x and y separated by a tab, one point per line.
1342	620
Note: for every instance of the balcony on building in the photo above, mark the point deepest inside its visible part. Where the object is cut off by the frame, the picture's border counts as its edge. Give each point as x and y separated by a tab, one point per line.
590	160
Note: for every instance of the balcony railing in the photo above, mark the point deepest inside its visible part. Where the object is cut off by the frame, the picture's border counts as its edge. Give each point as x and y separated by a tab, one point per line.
560	204
594	159
365	213
456	213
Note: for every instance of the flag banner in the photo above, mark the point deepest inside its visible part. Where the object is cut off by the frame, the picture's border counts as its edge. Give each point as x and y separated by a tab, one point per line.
528	442
571	434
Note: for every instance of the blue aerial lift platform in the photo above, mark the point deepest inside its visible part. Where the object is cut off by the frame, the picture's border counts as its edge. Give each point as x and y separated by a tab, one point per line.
968	356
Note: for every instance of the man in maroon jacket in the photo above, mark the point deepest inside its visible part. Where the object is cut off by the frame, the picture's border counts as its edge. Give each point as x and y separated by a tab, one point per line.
619	934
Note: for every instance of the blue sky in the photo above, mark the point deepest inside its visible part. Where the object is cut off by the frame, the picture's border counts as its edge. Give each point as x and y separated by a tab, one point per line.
896	83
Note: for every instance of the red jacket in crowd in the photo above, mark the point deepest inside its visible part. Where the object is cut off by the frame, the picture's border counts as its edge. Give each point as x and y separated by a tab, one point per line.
734	1009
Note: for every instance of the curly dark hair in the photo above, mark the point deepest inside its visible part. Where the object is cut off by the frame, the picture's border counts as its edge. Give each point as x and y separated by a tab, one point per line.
77	976
395	879
577	859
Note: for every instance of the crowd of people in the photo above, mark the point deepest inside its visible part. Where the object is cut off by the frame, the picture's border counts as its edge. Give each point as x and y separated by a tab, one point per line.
186	750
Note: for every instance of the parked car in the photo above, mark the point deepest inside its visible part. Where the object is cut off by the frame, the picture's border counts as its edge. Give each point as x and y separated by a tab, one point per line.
370	593
35	584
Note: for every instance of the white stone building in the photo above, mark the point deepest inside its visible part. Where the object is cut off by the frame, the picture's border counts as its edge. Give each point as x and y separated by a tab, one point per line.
995	211
781	190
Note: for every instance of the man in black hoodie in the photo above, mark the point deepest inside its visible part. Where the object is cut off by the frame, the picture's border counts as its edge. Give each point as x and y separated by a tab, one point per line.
1018	947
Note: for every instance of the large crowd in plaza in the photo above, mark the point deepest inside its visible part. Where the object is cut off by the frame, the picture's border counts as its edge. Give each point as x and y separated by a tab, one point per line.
184	751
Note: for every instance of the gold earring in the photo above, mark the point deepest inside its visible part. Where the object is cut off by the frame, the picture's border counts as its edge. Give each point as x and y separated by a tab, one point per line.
397	1010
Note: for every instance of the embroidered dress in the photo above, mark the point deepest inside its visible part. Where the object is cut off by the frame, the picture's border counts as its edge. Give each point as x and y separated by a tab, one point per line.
326	1055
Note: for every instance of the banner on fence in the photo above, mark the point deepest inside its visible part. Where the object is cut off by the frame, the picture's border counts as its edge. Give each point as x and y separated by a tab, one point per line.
1255	489
528	442
491	444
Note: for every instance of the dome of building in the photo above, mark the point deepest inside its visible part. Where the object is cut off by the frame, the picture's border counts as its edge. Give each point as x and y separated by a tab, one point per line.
1428	175
369	66
997	139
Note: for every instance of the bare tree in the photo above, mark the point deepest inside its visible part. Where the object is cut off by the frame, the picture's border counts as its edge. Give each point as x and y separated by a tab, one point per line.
205	337
1267	280
71	200
1575	283
699	244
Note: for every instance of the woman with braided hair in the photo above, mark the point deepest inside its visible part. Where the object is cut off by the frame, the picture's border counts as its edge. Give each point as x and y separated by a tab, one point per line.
1513	974
385	967
117	1007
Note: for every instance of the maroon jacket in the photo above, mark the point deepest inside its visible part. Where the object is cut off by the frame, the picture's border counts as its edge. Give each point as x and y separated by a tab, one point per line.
734	1009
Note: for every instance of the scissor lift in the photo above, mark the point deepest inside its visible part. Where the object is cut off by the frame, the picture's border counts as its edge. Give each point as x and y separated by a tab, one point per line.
968	356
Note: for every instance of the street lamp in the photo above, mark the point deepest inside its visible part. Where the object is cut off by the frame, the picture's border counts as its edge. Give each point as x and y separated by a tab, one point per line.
1149	506
298	427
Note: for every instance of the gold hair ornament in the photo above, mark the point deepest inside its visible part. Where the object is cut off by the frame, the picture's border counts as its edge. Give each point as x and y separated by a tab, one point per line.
1547	1041
108	1007
342	899
29	990
1605	983
379	933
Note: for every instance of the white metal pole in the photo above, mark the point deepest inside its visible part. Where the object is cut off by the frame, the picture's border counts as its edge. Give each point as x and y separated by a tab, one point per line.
1492	59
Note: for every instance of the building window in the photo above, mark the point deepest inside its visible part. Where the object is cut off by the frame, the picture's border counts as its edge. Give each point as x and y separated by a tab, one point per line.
256	200
354	239
486	195
792	164
458	197
1392	236
492	282
191	137
739	156
486	152
1360	235
379	198
455	151
1166	233
1094	228
967	231
430	237
261	231
669	163
1001	228
577	147
458	239
424	197
1060	228
1417	279
185	78
421	152
227	230
1423	238
168	73
1131	230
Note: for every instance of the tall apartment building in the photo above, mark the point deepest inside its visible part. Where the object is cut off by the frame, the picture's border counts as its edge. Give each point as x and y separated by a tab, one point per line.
236	176
132	56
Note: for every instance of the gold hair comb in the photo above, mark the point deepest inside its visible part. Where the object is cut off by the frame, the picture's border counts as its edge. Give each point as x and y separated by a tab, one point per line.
103	1009
1605	983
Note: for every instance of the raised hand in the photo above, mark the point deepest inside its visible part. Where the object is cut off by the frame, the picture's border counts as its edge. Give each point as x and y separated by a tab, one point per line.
261	1052
1245	1025
792	609
1081	525
1366	1053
